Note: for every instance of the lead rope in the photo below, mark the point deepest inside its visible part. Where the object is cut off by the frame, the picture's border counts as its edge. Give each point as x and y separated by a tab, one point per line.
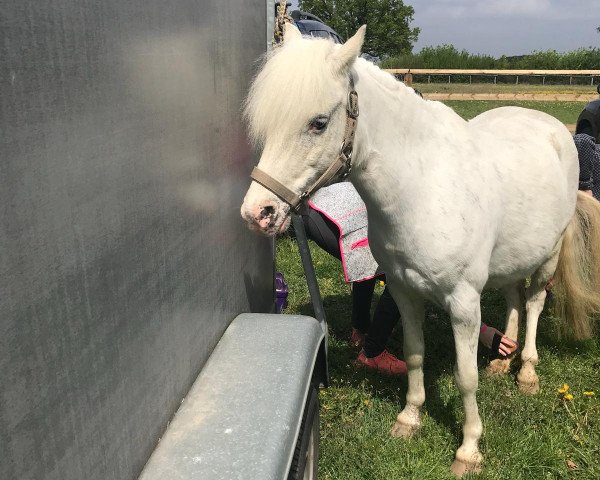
282	18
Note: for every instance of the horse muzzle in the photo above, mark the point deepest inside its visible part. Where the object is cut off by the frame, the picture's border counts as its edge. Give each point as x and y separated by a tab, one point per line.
268	218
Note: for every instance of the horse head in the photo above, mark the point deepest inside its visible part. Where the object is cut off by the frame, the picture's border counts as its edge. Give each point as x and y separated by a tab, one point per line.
299	110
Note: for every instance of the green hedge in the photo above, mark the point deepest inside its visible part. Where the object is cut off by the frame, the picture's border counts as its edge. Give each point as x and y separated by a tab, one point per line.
447	56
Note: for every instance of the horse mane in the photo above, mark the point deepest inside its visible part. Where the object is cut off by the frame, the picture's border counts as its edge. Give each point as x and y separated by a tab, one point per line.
303	67
300	66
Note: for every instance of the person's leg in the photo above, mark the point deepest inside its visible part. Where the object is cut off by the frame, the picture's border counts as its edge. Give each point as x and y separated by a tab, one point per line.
362	295
374	354
384	321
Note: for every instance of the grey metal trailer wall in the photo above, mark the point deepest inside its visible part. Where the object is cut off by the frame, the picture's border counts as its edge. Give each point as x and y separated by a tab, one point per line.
123	162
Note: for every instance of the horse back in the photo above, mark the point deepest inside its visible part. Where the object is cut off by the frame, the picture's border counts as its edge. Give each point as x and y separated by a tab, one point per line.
538	135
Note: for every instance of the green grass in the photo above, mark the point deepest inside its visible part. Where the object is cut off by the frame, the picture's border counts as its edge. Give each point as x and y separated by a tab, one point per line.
524	437
490	87
566	112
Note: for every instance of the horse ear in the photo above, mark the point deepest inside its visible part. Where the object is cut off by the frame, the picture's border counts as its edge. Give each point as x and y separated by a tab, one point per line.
345	55
290	32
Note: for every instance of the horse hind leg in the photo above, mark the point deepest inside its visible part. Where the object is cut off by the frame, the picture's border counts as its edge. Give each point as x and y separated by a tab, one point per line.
514	308
527	378
412	313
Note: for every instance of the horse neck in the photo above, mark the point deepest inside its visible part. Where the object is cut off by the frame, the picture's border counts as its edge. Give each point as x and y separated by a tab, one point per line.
399	137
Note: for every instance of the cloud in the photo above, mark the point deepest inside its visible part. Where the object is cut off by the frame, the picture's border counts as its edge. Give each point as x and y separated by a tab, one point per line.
477	8
514	7
510	27
463	9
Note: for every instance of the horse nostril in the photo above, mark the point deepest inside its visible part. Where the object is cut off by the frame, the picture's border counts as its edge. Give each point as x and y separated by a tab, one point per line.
267	211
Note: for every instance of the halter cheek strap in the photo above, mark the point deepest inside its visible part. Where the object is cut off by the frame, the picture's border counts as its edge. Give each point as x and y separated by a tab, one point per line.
341	166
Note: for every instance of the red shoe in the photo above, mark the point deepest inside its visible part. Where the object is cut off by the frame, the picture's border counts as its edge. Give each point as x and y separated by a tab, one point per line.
385	362
357	339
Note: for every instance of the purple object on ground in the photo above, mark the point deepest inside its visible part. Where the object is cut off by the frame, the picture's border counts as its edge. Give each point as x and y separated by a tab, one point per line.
281	292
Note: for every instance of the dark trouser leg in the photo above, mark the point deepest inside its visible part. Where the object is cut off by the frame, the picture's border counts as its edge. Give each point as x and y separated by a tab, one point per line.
385	319
322	231
362	294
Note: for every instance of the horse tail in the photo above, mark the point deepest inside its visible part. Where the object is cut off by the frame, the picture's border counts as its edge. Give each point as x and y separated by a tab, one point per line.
577	276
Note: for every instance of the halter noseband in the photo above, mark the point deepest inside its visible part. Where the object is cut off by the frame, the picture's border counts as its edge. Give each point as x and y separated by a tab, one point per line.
341	166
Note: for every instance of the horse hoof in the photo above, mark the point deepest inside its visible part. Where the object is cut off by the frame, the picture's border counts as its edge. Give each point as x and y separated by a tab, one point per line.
529	382
460	468
403	430
530	387
498	366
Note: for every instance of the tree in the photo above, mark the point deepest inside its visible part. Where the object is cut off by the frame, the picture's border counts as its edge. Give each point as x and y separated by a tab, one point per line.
388	30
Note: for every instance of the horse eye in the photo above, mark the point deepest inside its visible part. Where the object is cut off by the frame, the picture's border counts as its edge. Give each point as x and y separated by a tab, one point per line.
318	124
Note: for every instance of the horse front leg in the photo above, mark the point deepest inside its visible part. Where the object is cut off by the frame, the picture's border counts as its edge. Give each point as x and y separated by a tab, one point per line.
412	314
465	314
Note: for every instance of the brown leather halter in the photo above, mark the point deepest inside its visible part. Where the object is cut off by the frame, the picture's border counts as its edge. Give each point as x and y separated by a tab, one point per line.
340	167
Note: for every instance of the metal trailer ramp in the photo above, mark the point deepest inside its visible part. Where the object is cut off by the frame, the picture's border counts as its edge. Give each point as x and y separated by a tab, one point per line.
240	419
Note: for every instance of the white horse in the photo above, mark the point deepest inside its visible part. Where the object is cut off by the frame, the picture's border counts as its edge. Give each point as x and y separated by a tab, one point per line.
453	206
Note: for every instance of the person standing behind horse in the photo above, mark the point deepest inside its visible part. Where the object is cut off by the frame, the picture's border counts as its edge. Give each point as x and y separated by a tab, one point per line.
336	220
589	164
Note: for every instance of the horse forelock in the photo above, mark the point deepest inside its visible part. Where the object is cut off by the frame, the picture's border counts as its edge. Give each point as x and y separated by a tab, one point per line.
291	87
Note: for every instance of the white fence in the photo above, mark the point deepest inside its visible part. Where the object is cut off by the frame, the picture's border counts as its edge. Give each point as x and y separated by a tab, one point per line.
407	74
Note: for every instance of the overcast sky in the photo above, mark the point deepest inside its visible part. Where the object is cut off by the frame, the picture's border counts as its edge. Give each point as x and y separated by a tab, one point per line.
510	27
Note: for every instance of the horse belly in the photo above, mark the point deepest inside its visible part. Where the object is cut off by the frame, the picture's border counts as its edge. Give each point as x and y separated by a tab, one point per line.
525	243
431	260
513	262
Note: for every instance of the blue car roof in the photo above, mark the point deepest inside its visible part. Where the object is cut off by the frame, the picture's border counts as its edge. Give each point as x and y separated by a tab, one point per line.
311	27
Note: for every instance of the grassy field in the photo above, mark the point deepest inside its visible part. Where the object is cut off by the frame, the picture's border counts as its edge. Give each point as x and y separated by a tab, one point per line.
566	112
530	438
504	88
